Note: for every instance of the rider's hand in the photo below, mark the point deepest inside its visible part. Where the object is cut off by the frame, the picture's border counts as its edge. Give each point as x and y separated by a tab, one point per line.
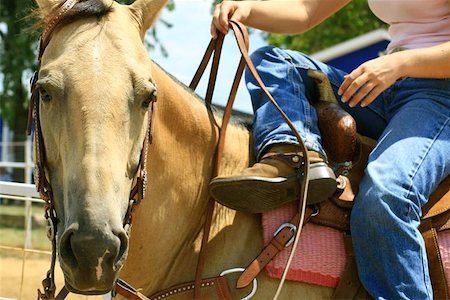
225	11
369	80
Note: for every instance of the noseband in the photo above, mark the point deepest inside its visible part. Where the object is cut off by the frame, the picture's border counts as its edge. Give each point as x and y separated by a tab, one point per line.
42	183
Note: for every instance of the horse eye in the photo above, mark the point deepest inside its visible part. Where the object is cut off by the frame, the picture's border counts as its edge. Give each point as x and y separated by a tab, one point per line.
151	98
45	96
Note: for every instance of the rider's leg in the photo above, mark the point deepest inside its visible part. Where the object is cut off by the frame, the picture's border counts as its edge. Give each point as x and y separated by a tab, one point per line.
270	182
410	159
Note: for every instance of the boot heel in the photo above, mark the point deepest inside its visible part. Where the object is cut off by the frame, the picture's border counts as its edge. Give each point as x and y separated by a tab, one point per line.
322	183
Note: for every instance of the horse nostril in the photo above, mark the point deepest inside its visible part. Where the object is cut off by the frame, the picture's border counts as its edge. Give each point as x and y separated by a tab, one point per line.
94	252
123	250
65	249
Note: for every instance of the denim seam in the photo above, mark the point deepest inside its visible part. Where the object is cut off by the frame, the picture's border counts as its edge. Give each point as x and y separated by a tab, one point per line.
297	88
292	69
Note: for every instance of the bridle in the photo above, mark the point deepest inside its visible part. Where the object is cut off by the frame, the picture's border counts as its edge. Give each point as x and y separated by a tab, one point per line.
42	183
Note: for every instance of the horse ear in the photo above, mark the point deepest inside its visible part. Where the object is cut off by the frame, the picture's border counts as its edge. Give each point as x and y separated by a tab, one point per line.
147	11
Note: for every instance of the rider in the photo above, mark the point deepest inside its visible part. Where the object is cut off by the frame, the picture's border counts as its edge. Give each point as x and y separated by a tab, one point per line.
401	99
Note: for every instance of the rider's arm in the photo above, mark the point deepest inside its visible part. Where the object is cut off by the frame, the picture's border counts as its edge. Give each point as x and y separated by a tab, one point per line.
367	81
284	16
432	62
371	78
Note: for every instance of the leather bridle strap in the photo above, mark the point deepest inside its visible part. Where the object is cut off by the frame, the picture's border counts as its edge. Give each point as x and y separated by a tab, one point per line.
241	36
42	184
219	283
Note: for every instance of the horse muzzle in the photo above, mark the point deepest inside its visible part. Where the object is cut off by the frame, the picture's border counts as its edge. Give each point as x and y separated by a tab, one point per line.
91	259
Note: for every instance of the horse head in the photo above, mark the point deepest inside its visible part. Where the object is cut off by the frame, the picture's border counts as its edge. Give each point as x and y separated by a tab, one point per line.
95	86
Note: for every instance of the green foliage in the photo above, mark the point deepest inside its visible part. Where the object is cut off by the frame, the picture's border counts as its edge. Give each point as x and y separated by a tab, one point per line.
355	19
16	55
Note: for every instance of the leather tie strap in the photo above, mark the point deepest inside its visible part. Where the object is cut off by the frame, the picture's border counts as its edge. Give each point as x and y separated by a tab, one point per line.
279	242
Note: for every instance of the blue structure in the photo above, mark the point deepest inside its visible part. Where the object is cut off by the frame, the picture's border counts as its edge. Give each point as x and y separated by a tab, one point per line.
350	54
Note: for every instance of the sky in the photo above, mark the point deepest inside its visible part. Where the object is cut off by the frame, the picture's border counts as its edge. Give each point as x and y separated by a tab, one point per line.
186	42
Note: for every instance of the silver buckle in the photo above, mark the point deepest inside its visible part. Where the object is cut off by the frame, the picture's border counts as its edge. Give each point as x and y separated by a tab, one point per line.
293	229
254	282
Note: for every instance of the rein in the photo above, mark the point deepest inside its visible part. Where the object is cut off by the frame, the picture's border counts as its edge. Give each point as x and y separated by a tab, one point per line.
215	46
43	185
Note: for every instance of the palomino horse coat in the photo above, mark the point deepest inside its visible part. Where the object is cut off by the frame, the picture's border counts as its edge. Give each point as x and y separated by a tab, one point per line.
95	82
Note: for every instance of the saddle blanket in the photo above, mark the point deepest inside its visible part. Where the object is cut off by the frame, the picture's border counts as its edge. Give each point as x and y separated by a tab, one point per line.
320	256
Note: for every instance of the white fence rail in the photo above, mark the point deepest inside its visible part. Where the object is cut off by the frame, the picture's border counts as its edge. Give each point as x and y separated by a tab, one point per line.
27	193
22	192
26	164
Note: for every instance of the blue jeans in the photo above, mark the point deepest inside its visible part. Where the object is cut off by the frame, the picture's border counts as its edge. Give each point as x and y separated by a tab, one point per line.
410	120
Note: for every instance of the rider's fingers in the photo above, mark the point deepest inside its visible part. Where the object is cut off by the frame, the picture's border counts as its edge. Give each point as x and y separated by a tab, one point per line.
351	85
361	93
374	93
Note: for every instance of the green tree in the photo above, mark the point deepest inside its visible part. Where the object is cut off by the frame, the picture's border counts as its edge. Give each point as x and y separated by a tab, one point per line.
17	57
355	19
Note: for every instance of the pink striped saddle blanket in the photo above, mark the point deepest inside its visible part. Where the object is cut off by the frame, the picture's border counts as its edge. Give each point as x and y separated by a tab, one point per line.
320	256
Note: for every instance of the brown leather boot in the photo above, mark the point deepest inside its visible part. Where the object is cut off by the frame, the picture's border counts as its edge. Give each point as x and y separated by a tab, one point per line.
274	181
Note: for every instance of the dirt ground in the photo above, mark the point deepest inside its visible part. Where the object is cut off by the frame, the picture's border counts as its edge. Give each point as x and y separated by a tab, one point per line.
35	269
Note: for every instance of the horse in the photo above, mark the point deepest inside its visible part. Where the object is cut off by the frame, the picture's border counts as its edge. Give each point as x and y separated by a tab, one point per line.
95	81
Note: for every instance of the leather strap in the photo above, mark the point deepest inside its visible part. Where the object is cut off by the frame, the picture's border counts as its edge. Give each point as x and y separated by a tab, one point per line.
219	283
279	242
436	268
214	47
42	184
294	160
127	291
241	35
304	182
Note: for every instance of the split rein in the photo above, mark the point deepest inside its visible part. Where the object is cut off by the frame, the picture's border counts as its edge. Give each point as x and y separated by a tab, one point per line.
139	184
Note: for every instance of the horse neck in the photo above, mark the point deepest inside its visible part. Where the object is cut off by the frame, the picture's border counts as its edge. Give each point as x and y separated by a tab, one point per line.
180	165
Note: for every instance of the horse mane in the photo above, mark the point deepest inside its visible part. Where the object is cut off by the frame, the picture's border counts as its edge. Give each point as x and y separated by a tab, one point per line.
238	118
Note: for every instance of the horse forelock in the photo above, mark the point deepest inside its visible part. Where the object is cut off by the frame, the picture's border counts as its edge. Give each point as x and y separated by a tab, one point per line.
83	9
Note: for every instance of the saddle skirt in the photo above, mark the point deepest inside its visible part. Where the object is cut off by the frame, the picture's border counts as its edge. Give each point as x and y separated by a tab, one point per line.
320	256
